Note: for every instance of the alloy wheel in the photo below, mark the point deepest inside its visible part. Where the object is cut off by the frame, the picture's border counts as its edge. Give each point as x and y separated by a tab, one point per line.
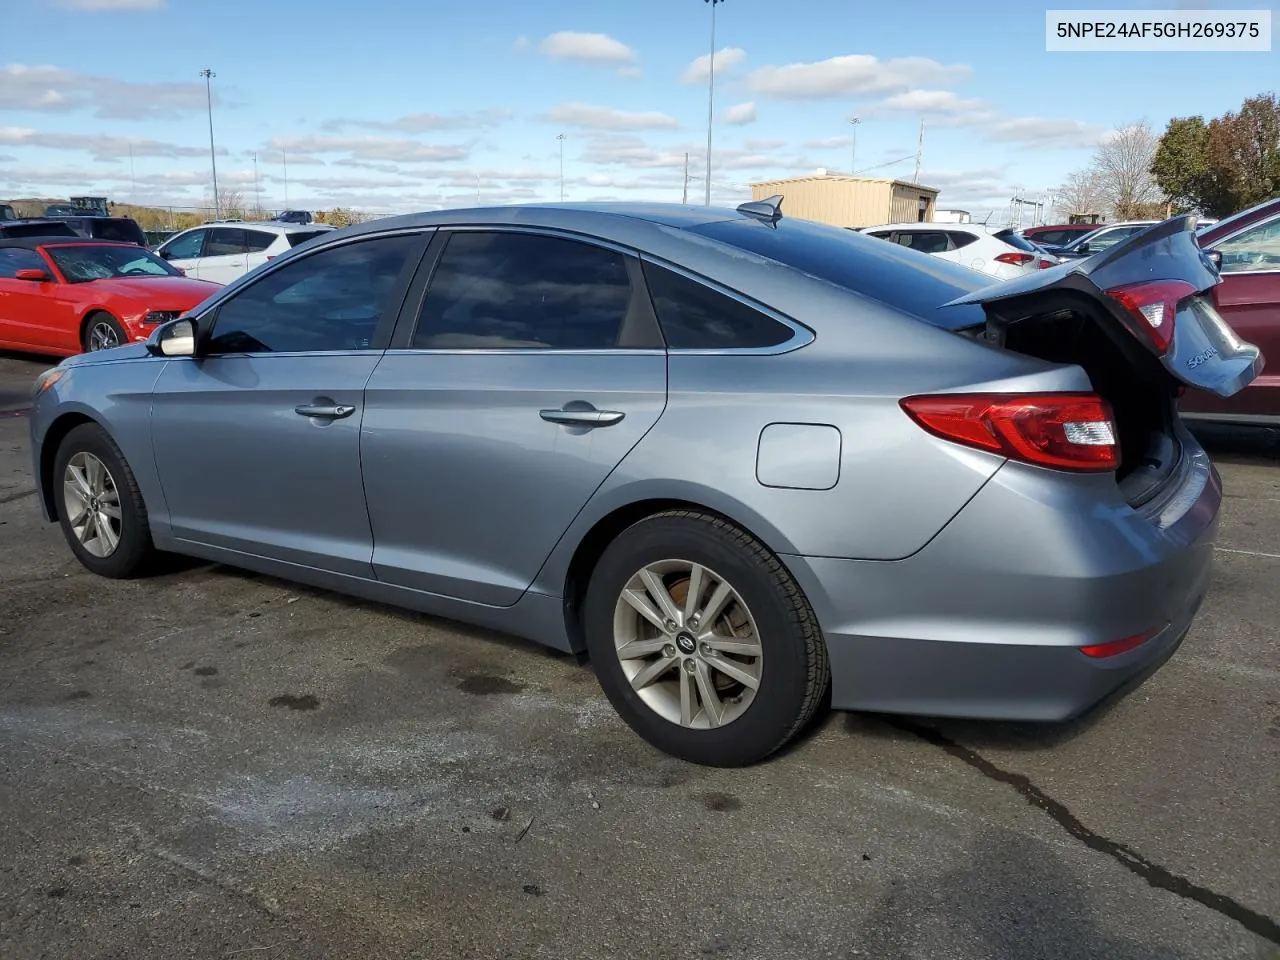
103	336
688	644
92	504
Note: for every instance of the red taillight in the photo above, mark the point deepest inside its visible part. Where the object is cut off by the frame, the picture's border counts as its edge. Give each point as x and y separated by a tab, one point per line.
1017	259
1154	304
1116	647
1066	431
1046	264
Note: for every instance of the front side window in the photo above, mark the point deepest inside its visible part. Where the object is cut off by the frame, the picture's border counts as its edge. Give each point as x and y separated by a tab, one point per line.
1256	250
88	262
331	300
13	259
186	247
503	291
695	317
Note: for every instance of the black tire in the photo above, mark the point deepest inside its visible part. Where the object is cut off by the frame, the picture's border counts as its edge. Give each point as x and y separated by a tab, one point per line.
106	320
135	552
795	670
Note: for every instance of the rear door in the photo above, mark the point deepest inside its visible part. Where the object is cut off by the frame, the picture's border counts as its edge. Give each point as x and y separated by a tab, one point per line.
1171	313
225	256
532	368
256	243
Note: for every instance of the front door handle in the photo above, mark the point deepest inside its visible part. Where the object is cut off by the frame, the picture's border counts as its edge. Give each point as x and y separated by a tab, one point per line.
585	417
324	411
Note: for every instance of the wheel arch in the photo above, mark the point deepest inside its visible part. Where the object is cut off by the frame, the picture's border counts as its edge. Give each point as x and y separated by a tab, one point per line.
53	437
87	317
605	530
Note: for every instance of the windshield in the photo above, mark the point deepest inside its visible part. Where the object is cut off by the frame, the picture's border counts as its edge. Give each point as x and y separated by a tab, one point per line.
80	264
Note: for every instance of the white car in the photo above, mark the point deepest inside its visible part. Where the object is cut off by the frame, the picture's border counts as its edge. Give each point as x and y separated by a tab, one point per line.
999	252
223	250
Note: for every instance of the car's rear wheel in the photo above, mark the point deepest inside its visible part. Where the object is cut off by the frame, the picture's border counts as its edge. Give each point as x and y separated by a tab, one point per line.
703	641
99	505
102	332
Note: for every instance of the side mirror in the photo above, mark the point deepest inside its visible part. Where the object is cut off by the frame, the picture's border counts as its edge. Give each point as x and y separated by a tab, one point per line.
1083	250
177	338
34	274
164	254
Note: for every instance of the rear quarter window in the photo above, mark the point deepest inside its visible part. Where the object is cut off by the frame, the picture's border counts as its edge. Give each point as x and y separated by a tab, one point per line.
695	317
258	240
302	236
125	231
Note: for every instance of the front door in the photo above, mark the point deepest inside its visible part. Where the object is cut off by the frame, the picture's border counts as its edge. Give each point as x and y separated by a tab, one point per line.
257	440
534	367
184	250
1249	300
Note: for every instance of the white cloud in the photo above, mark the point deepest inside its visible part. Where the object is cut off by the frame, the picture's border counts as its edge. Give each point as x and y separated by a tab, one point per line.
394	149
586	47
933	102
425	122
699	71
1043	132
851	75
112	4
47	89
740	114
606	118
101	146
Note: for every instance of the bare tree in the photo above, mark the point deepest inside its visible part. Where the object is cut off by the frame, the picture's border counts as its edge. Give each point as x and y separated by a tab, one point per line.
1123	168
1080	194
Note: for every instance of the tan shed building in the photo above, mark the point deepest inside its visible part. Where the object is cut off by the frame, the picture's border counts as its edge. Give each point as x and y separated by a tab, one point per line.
851	201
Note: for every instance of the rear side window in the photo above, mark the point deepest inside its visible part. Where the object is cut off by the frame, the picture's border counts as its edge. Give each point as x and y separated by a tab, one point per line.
961	238
504	291
122	231
302	236
224	242
256	241
695	317
926	241
1015	240
38	230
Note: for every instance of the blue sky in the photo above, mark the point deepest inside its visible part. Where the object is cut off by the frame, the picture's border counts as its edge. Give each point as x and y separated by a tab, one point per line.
392	105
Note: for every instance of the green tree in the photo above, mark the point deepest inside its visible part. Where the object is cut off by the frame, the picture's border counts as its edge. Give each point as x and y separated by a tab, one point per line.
1181	165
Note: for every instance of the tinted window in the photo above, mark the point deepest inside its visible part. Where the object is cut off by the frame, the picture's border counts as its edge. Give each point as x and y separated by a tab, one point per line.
186	247
882	271
224	242
124	231
961	238
926	241
37	230
13	259
882	234
332	300
695	317
515	290
1015	240
256	241
302	236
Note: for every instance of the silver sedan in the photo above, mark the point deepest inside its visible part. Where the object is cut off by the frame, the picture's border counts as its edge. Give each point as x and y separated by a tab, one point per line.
748	465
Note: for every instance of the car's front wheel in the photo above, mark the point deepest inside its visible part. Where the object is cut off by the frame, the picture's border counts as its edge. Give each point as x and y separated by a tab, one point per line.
102	332
703	641
99	505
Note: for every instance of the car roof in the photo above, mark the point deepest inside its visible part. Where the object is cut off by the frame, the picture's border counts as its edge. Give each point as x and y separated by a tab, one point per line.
273	225
30	243
933	225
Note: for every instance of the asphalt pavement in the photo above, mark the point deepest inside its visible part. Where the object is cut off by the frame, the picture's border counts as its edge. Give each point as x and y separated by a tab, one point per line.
216	764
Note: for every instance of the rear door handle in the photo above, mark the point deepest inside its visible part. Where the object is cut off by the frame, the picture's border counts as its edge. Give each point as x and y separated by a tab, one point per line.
324	411
588	417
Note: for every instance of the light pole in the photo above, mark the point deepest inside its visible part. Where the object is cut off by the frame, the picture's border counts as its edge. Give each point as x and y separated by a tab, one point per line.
853	151
213	161
711	93
561	138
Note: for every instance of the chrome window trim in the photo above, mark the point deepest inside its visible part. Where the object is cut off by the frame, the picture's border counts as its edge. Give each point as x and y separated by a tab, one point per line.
1265	222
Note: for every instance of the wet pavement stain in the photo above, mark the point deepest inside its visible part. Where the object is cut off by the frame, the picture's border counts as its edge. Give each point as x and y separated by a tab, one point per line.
484	684
79	695
205	671
294	702
721	802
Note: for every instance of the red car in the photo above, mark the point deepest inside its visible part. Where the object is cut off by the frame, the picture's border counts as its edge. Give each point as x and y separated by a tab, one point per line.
60	296
1246	248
